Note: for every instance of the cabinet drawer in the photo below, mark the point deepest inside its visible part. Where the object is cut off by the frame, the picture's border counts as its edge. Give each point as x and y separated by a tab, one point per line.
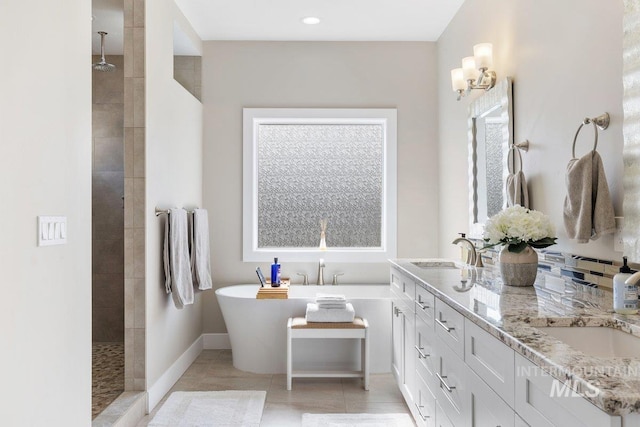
492	360
425	353
396	282
425	404
441	417
542	401
450	327
520	422
403	287
425	305
451	391
408	290
486	407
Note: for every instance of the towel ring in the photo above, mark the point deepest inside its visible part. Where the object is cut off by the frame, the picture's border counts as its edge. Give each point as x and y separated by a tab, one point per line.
513	148
575	138
601	122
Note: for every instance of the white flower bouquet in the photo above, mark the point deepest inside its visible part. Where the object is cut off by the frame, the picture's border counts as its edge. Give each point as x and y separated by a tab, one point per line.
518	227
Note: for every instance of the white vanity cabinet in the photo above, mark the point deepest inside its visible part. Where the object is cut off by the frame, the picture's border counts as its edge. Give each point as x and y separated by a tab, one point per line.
403	333
453	373
542	401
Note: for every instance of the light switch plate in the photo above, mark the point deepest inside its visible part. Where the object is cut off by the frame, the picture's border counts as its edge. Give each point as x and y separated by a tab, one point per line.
52	230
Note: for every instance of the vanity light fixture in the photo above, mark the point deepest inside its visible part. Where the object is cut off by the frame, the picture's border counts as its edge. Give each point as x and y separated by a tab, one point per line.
474	73
311	20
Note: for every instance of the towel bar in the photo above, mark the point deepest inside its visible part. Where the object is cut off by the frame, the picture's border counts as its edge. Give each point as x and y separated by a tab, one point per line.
166	211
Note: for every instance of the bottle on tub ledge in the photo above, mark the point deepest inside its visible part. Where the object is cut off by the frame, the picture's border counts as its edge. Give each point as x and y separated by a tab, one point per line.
275	273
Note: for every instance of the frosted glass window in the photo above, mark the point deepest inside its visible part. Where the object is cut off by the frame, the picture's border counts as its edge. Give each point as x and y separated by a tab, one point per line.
304	169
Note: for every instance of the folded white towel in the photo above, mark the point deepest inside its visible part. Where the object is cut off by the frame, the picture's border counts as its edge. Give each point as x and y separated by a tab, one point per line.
179	263
320	297
324	315
200	253
332	305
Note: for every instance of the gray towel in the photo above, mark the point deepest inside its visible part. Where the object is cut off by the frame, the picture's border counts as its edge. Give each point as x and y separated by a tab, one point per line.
588	210
517	192
177	254
200	253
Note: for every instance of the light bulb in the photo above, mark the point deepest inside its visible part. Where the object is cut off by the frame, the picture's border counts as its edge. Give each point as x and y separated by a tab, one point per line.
483	53
457	80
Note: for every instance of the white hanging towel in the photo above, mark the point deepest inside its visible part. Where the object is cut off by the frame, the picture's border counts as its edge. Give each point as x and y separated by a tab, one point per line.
517	192
165	256
179	263
200	253
516	184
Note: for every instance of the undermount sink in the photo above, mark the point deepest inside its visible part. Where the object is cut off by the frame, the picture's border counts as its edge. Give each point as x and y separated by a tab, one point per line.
435	264
596	341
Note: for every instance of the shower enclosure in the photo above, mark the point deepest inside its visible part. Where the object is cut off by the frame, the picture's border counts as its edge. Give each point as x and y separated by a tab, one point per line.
107	225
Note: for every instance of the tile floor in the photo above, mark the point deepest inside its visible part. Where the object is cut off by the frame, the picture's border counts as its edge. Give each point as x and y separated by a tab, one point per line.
213	370
107	375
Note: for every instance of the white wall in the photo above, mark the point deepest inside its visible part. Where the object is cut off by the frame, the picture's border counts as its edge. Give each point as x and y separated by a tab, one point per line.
173	179
45	169
322	75
566	62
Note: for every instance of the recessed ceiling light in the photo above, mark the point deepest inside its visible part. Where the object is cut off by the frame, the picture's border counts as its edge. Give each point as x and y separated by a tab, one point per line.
311	20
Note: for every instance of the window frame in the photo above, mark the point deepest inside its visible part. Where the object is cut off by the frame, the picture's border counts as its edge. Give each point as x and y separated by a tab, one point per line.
254	117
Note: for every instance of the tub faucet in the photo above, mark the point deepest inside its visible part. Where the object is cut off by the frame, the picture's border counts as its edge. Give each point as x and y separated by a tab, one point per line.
471	255
305	279
320	272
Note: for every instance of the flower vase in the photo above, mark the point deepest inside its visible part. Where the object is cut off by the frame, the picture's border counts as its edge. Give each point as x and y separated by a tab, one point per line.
518	268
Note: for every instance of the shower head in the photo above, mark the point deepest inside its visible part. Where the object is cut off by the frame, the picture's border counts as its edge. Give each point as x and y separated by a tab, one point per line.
102	65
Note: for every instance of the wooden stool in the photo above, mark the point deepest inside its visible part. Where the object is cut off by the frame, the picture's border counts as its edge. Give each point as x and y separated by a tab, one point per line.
297	327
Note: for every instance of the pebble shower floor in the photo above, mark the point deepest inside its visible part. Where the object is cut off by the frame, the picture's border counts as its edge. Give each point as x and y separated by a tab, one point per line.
107	375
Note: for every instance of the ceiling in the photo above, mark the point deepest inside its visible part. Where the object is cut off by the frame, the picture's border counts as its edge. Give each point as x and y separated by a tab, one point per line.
341	20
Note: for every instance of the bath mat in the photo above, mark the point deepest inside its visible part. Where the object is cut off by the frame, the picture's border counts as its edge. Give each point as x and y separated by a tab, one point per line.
357	420
211	408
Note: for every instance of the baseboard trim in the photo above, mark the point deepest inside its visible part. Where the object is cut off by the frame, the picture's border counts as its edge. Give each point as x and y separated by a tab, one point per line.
173	374
216	341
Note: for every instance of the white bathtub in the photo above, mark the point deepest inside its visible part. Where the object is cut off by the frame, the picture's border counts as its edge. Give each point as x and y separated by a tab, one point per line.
257	329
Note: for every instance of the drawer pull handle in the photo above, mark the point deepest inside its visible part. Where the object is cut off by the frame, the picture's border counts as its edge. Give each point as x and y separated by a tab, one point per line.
397	311
442	323
424	417
422	306
444	383
421	303
421	355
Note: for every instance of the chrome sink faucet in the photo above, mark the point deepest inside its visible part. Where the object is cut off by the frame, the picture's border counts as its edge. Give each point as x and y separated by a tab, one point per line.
321	272
471	255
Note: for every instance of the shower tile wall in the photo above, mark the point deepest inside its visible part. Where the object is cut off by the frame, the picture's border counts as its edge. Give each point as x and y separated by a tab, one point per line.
134	221
107	203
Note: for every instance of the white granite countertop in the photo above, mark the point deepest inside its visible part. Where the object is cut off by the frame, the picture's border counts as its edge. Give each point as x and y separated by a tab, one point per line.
512	313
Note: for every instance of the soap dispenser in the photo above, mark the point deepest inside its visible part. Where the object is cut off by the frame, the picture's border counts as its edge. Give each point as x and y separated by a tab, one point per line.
625	290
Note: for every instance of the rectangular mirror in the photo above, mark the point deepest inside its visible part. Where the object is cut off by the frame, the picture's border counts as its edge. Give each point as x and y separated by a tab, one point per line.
490	136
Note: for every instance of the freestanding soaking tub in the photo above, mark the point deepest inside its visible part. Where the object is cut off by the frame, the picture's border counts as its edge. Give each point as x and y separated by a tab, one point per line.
258	329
